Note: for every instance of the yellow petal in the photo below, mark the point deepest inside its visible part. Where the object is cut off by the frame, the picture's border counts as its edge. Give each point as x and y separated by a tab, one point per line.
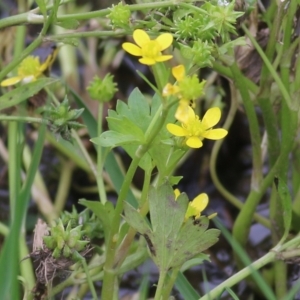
48	62
147	61
190	212
190	114
194	142
200	202
11	81
178	72
176	130
211	117
163	58
177	193
169	89
211	216
215	134
140	37
182	112
132	49
164	40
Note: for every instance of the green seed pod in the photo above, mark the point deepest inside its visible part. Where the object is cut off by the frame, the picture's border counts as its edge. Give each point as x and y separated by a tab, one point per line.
120	15
49	241
102	89
76	256
60	242
56	253
80	245
67	251
74	236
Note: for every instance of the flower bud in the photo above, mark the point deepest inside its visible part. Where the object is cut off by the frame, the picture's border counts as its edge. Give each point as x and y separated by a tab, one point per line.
120	15
102	89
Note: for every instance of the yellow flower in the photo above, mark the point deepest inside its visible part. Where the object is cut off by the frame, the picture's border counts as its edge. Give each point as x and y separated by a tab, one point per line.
187	89
196	206
150	50
179	73
29	70
195	130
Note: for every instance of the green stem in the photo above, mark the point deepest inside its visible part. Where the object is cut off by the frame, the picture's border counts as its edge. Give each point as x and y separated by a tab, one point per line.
238	277
14	165
269	69
29	17
89	280
213	161
63	148
160	285
280	283
160	75
144	208
172	276
226	71
64	184
100	182
86	155
243	222
23	119
253	126
109	273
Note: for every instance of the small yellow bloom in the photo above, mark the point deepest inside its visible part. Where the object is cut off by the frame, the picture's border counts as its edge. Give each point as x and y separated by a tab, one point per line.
195	130
171	89
150	50
178	72
29	70
196	206
187	89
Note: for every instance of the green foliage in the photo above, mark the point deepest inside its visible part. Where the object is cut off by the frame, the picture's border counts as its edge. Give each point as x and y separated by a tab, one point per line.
61	119
65	241
128	126
104	212
171	241
286	203
200	53
222	18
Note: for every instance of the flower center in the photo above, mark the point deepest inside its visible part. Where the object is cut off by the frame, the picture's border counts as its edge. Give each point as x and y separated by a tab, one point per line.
195	127
151	49
29	66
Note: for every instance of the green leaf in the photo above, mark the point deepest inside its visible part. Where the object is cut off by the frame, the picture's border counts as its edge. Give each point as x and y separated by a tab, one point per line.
134	119
9	266
167	216
135	220
23	92
171	241
185	288
125	126
104	212
113	139
194	262
42	6
286	202
193	239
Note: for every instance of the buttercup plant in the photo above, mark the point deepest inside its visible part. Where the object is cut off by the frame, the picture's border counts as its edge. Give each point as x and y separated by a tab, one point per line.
195	130
170	108
150	50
